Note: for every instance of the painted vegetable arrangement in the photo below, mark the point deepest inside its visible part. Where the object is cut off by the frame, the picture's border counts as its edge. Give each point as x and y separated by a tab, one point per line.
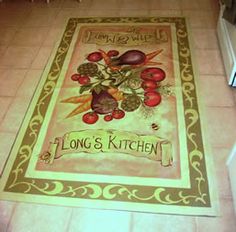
112	85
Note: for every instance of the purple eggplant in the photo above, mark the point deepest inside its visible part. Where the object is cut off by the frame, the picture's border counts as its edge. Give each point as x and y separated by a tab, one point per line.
103	102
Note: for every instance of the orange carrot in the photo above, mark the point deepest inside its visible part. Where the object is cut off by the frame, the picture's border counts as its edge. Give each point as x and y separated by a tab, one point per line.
118	96
106	58
112	90
78	99
153	54
80	109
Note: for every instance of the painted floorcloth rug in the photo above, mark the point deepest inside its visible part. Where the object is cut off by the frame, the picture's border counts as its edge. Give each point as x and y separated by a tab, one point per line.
115	123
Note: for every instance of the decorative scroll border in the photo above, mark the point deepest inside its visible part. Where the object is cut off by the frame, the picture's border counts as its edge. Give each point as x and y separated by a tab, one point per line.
196	196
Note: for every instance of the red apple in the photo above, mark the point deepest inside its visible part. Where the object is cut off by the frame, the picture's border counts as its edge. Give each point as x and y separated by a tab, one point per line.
94	57
148	85
153	74
83	80
152	99
90	118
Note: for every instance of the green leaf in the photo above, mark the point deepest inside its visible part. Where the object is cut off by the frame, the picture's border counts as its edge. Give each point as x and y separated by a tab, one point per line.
85	88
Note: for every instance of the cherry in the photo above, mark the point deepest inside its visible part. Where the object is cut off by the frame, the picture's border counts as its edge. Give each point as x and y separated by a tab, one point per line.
83	80
108	117
90	118
94	57
153	74
148	85
118	114
112	53
75	77
152	99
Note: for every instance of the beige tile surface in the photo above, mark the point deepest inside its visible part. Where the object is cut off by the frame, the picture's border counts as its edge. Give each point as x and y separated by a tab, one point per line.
220	156
4	105
200	18
224	223
30	36
30	83
91	220
42	57
6	142
221	126
15	115
205	38
10	80
215	91
157	222
6	209
38	218
7	34
23	56
209	62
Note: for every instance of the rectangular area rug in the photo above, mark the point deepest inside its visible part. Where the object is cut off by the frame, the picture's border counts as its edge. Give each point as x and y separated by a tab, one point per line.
115	123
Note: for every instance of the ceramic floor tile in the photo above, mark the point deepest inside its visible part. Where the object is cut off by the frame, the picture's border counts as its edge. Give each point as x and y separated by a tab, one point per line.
220	156
215	91
224	223
54	34
7	34
164	13
29	84
10	81
104	5
23	56
4	104
100	13
90	220
131	5
132	13
221	126
30	36
9	18
6	142
205	39
200	19
165	5
196	5
165	223
210	62
15	115
38	218
3	49
41	17
41	58
6	209
62	17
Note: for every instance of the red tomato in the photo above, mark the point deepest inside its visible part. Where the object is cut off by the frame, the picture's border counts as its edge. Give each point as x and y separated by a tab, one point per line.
148	85
94	57
90	118
108	117
75	77
83	80
152	99
118	114
112	53
153	74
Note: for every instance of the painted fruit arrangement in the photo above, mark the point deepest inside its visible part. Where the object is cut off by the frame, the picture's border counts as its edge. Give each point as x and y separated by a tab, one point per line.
113	84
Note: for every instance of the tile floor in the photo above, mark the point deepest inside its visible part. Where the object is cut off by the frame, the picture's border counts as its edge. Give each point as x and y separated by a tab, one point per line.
28	32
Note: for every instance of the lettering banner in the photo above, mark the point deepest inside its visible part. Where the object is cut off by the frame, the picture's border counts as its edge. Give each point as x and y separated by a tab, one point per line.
109	141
